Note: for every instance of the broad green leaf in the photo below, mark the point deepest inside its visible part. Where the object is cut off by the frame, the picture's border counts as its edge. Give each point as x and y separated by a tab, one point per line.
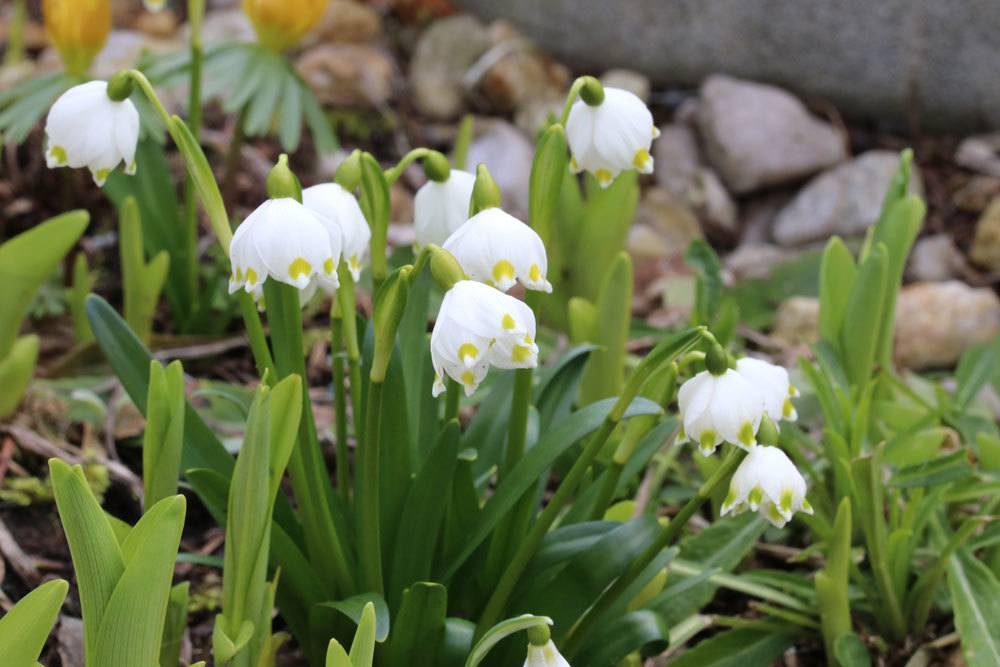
97	558
16	371
837	273
601	231
975	596
536	460
423	513
736	648
558	386
860	343
164	437
419	626
141	282
547	168
630	632
336	656
897	231
25	628
582	316
832	581
27	261
604	374
457	642
501	631
363	646
174	625
353	608
977	366
131	628
203	179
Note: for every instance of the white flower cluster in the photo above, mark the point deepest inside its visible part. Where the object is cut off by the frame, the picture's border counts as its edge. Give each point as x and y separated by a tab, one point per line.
729	407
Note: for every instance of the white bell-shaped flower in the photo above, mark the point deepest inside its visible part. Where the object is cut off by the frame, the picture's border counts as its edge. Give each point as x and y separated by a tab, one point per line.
337	207
440	207
772	383
611	137
496	248
86	128
767	482
546	655
286	241
720	408
478	327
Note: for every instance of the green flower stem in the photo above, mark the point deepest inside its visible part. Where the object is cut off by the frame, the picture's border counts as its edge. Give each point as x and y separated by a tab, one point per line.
258	341
515	524
15	34
453	398
392	174
196	11
340	400
574	92
348	307
147	89
369	506
232	161
664	353
580	630
307	467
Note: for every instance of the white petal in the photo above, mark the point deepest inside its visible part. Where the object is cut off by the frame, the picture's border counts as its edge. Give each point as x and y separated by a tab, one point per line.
331	201
441	208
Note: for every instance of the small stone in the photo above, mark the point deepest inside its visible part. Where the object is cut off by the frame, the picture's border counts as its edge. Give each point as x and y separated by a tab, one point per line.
349	75
755	260
626	79
346	21
674	224
980	153
124	48
757	215
845	200
507	154
680	171
400	203
985	249
797	321
937	322
976	194
521	76
534	115
934	259
224	25
645	244
441	58
758	135
157	24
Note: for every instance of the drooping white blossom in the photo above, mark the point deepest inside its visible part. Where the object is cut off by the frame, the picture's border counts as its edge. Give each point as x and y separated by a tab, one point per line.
611	137
772	383
496	248
766	481
720	408
286	241
440	207
86	128
339	211
477	327
546	655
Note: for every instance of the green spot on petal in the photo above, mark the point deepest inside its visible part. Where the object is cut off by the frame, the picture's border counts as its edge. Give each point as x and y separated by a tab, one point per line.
746	434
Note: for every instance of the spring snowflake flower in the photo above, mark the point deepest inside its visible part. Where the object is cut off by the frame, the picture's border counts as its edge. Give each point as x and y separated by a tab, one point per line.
768	482
286	241
772	383
612	136
86	128
546	655
478	327
441	207
496	248
339	210
720	408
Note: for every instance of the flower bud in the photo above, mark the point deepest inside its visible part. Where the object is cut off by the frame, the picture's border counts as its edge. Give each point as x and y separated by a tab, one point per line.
78	30
485	192
436	167
282	181
282	23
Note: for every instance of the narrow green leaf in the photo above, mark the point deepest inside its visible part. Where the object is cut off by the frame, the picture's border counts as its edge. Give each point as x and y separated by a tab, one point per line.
940	470
457	643
336	656
975	595
203	179
164	437
736	648
836	279
25	628
363	646
630	632
419	626
547	168
708	287
860	343
375	206
604	374
175	625
501	631
16	371
354	606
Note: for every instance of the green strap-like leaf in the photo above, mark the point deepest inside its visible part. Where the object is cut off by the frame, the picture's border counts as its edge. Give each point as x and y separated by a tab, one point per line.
163	440
975	595
736	648
336	656
604	374
363	646
16	371
25	628
419	626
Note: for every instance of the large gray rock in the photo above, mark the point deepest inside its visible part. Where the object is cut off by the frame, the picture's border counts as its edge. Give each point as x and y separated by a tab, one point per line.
894	58
758	136
845	200
444	53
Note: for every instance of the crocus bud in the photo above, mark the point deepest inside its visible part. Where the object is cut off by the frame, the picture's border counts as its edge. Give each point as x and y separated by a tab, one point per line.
609	132
485	192
282	23
768	482
390	302
86	127
78	30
